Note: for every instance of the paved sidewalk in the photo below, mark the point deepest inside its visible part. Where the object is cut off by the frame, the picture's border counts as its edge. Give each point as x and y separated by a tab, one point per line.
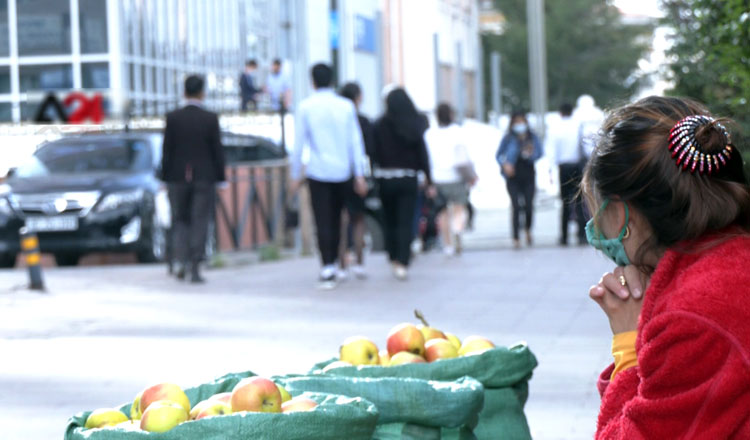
103	333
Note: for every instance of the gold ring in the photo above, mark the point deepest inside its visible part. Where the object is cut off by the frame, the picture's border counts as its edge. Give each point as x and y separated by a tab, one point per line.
623	281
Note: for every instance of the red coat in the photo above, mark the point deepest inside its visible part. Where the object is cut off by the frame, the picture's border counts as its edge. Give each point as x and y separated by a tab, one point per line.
693	375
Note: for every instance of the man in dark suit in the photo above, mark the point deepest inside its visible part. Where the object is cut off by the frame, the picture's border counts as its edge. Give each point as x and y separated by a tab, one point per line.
248	88
192	164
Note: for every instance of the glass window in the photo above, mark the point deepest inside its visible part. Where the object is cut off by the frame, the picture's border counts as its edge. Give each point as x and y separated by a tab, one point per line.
43	27
93	19
46	77
6	111
95	75
4	79
4	39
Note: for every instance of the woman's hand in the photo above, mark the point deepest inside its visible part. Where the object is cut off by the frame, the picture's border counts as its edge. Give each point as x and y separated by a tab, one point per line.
621	303
509	170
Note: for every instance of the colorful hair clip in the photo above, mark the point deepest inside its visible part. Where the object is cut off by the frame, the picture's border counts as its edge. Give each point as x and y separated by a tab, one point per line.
689	153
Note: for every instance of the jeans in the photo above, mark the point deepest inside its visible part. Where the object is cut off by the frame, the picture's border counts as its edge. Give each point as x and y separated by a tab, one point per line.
399	198
192	208
522	188
570	183
327	203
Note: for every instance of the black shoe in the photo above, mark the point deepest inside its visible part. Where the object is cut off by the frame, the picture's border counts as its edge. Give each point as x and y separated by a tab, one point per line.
170	268
196	278
563	242
181	273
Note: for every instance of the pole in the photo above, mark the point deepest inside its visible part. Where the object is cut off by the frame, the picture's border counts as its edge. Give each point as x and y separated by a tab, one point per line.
460	101
496	84
438	79
30	248
537	62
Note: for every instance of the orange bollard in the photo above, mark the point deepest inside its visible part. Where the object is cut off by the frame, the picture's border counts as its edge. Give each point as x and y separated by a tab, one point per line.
30	248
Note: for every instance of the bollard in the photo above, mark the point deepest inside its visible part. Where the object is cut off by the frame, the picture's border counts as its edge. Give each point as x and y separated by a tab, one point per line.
30	248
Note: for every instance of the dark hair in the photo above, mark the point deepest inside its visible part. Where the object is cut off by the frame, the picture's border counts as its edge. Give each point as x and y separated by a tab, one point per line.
322	75
194	86
277	61
566	109
444	114
351	91
403	116
632	163
251	63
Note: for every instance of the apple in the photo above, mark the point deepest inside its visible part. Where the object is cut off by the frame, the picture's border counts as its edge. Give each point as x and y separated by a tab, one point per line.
385	358
430	332
285	396
475	345
210	408
135	408
405	337
102	417
454	340
436	349
298	404
359	350
163	391
404	357
223	397
256	394
163	415
336	364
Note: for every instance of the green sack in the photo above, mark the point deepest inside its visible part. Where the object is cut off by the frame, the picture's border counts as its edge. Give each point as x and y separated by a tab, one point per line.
402	400
504	372
335	418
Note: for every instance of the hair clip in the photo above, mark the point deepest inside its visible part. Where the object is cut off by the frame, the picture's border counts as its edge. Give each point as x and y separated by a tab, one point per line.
689	153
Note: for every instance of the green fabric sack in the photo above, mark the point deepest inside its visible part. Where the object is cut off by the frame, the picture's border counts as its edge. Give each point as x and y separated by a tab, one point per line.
335	418
504	373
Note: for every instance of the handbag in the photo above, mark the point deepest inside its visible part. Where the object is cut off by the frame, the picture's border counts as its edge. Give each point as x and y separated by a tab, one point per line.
467	172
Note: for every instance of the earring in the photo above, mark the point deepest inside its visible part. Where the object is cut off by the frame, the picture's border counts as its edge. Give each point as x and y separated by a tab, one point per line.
627	232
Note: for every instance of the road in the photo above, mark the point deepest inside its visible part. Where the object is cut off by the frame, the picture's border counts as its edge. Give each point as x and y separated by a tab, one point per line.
102	333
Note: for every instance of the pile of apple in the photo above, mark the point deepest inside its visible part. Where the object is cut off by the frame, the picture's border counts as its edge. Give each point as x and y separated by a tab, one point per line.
408	343
161	407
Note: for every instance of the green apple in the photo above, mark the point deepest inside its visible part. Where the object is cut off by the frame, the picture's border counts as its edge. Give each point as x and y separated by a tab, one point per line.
210	408
102	417
475	345
163	415
404	357
454	340
430	332
135	408
285	396
359	350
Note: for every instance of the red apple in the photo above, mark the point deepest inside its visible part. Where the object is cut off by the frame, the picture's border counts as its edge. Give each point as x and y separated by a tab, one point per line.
405	337
223	397
163	391
436	349
430	332
256	394
298	404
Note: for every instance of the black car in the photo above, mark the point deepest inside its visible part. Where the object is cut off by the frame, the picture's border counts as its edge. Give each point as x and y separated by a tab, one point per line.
88	193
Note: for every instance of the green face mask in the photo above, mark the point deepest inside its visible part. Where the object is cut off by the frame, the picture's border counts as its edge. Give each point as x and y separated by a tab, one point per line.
611	247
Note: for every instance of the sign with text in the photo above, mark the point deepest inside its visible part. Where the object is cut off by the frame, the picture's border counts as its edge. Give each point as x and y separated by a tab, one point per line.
364	34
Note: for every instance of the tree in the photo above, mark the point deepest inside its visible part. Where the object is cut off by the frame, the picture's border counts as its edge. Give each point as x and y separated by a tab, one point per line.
589	51
710	55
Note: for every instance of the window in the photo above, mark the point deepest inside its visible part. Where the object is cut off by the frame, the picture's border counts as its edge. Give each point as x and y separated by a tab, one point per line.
6	112
46	77
4	79
4	39
95	75
43	27
93	21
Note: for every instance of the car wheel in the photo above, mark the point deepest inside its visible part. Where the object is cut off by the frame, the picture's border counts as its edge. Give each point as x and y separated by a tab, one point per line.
67	259
7	261
154	246
374	235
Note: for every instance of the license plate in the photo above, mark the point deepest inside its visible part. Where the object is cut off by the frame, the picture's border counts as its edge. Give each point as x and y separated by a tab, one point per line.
52	224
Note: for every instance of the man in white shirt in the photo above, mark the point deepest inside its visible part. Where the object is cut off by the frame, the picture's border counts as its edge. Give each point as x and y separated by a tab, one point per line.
278	87
566	142
327	124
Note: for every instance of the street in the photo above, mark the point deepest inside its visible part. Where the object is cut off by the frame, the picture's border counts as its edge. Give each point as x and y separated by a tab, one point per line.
103	333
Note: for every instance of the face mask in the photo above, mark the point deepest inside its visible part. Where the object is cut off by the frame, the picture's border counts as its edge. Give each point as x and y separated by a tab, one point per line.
519	128
611	247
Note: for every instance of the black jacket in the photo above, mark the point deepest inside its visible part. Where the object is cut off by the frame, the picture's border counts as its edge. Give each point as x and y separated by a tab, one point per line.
192	147
247	87
393	151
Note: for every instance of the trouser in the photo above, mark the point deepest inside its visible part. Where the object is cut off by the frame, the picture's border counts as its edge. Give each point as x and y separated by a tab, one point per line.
328	202
571	175
399	197
192	208
521	189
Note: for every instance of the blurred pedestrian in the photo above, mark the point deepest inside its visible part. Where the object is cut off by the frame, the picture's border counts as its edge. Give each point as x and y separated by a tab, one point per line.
192	164
590	119
278	88
518	151
565	140
400	152
453	174
355	203
248	86
327	125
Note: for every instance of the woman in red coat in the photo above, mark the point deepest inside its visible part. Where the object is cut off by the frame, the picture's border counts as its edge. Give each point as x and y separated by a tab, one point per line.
672	208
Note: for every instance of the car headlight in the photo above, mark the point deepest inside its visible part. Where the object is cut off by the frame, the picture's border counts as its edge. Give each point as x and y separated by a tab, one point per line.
119	199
